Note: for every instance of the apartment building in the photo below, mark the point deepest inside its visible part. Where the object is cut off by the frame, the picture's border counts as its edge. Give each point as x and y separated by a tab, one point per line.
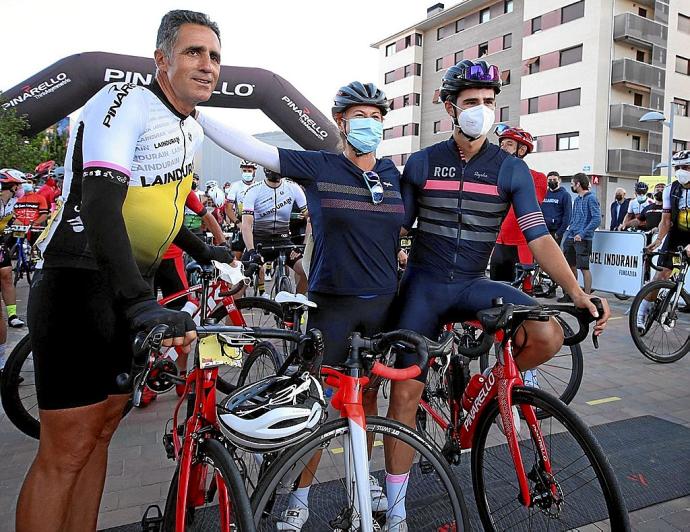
578	75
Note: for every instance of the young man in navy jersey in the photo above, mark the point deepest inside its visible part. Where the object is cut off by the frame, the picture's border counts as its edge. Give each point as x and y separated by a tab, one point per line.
462	189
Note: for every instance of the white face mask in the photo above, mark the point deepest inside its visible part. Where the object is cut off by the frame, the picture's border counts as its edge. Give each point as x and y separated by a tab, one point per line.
476	121
683	176
247	177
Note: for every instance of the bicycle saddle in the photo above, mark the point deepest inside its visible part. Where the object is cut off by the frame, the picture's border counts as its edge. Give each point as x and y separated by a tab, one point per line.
293	299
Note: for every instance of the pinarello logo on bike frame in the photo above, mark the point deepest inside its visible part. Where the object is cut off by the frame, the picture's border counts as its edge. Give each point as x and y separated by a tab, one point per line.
304	118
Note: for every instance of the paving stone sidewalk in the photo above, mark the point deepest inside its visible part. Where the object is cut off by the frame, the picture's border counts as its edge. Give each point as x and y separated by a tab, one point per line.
139	472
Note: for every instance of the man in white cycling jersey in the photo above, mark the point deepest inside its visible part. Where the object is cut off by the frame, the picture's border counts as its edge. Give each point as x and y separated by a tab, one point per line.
266	220
235	199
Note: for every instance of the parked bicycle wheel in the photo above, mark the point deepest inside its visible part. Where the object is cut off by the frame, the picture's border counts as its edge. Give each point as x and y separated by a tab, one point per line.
560	376
582	488
262	362
433	500
217	499
666	334
257	312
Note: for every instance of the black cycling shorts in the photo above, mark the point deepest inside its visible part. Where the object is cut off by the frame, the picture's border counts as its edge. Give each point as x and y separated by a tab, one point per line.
672	242
337	317
271	255
77	354
171	278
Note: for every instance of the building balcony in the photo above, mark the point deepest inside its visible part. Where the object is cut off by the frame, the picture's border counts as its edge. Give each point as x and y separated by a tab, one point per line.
631	162
639	31
626	116
635	74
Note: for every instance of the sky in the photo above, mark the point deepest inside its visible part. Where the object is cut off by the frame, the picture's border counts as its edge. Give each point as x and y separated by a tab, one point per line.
318	46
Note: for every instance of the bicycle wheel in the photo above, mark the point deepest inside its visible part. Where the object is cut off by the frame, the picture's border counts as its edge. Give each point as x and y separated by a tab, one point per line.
581	489
222	503
257	312
263	361
560	376
433	500
18	389
666	335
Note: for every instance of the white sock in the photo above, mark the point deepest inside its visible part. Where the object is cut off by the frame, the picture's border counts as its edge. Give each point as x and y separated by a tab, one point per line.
644	307
2	356
396	489
299	498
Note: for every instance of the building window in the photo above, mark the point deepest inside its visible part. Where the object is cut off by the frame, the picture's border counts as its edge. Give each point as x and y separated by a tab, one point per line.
504	114
418	39
505	77
507	41
437	127
415	69
459	25
571	55
483	49
417	98
406	100
532	106
458	56
439	64
682	65
508	6
391	104
679	145
536	24
568	141
485	15
572	12
410	129
534	66
636	142
681	107
389	77
642	12
639	56
390	49
388	133
569	98
683	23
408	41
445	31
404	157
637	99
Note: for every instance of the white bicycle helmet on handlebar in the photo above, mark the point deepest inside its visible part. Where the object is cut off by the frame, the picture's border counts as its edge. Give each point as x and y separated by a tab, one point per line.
272	413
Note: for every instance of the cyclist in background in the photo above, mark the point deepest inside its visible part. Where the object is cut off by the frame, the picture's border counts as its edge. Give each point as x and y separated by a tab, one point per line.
674	229
266	214
557	207
463	187
31	210
639	202
511	246
650	217
235	198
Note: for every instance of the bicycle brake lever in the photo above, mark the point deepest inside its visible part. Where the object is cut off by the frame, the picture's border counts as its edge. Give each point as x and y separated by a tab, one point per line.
595	340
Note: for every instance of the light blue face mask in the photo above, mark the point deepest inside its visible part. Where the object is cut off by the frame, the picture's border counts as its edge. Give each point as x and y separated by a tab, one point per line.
28	188
365	134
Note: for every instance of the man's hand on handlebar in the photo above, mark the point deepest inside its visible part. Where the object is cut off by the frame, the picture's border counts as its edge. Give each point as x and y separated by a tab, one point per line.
584	301
251	255
145	315
221	254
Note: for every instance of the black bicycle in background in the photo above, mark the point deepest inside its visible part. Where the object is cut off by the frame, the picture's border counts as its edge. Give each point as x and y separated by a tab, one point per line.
665	334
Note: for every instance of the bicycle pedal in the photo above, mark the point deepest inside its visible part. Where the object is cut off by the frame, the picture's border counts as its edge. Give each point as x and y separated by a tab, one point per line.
152	523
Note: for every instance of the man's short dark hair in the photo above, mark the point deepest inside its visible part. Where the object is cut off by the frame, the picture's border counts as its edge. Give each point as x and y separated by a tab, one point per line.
582	179
553	172
170	27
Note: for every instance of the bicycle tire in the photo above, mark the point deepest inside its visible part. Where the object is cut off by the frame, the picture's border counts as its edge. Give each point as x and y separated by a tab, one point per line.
549	371
257	312
285	285
19	406
22	408
213	453
613	503
641	339
268	356
428	510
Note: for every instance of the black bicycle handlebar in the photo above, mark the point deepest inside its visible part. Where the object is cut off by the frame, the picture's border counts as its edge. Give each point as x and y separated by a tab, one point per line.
584	318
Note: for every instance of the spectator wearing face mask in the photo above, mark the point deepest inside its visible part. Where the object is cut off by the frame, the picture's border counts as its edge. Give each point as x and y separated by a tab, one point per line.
556	207
650	217
619	210
636	205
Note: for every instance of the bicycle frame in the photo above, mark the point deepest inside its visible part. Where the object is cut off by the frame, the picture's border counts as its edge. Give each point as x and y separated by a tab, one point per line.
499	384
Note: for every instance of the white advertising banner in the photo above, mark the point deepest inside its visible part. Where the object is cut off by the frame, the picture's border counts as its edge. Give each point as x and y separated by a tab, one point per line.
616	262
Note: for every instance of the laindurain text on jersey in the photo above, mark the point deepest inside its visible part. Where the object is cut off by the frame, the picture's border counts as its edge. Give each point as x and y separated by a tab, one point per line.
175	175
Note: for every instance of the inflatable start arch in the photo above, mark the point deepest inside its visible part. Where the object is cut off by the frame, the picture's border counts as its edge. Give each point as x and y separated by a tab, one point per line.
67	85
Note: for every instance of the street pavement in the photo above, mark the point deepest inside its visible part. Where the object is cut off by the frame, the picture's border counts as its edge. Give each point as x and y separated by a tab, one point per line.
619	383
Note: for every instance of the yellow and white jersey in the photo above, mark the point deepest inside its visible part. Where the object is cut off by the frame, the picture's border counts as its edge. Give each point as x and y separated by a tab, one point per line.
133	136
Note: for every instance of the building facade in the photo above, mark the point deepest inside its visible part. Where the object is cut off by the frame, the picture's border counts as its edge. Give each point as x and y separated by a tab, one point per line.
578	75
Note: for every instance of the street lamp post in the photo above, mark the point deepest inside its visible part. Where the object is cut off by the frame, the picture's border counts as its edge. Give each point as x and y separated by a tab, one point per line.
656	116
